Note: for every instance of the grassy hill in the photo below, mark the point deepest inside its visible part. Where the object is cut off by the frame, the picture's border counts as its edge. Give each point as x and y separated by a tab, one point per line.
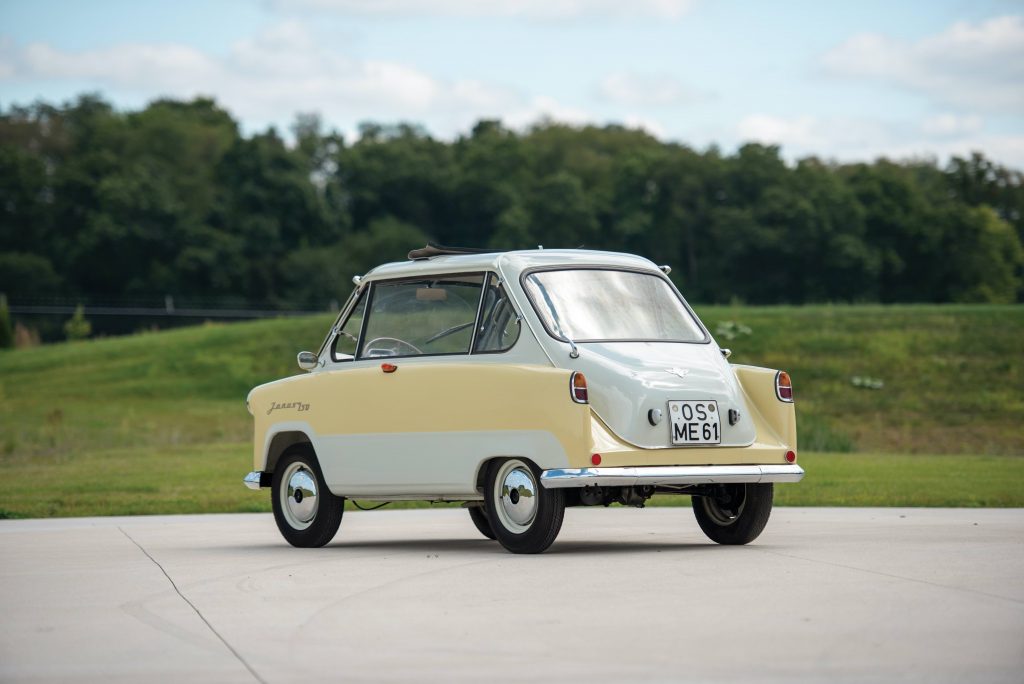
156	422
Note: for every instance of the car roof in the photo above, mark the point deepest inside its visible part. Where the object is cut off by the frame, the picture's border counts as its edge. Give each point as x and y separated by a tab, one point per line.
511	263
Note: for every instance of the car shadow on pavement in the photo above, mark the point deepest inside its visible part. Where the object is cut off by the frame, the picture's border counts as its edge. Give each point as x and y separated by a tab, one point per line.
485	546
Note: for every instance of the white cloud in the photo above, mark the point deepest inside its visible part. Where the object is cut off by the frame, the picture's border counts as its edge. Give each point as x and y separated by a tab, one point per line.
542	10
975	66
949	125
649	126
543	107
266	79
124	65
858	139
645	90
800	132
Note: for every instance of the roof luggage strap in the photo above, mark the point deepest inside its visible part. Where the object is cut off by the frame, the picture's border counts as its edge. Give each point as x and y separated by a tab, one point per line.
434	250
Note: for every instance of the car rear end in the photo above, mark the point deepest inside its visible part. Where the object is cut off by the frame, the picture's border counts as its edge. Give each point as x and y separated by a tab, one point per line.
669	414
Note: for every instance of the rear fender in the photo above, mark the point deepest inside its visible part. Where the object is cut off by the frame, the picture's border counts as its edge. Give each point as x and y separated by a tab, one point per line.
777	416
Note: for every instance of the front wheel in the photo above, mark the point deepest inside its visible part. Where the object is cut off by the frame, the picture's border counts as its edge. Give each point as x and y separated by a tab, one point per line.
734	513
525	517
306	512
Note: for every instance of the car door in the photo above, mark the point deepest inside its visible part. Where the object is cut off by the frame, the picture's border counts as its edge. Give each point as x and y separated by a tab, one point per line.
397	421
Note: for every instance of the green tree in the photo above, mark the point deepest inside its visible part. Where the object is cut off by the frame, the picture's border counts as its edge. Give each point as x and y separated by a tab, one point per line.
173	199
27	274
984	257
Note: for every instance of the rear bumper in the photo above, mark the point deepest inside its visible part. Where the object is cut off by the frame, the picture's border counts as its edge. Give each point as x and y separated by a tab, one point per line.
670	475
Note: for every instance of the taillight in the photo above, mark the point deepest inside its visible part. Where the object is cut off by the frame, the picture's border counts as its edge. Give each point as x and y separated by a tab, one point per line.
783	386
578	388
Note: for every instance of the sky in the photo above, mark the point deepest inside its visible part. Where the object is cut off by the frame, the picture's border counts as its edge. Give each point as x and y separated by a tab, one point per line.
843	81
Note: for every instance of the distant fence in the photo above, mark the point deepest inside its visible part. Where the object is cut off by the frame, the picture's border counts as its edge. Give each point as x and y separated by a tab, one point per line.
146	309
136	311
44	318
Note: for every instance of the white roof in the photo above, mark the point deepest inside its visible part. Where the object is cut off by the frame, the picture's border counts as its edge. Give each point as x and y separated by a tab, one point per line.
511	263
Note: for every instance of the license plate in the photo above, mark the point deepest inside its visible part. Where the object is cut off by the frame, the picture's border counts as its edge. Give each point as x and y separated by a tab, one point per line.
695	422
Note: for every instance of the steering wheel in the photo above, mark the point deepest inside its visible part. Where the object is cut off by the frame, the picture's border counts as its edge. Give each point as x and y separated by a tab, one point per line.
370	345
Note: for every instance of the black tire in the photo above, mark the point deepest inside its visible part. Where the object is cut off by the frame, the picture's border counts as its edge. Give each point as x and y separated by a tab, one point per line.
734	513
538	522
296	464
479	517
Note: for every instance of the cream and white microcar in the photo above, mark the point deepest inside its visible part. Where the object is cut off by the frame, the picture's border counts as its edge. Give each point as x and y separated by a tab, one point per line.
522	383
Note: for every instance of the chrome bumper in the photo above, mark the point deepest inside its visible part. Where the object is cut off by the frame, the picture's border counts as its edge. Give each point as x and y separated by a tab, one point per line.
670	475
257	480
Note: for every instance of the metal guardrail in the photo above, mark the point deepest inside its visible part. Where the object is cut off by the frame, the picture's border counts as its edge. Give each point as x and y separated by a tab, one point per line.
146	307
161	311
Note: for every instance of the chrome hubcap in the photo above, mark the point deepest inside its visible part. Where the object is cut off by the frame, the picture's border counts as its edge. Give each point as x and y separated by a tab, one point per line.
300	496
517	495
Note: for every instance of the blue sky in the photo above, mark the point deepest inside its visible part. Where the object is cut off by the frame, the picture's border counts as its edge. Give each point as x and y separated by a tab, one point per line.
845	81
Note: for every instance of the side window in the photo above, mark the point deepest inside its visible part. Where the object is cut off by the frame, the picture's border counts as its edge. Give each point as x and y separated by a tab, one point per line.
345	340
419	317
499	324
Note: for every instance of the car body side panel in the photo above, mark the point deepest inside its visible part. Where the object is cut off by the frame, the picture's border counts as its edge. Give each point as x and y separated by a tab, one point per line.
424	429
426	465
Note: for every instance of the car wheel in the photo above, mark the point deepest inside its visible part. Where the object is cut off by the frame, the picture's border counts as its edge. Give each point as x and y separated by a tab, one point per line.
734	513
479	517
306	512
525	517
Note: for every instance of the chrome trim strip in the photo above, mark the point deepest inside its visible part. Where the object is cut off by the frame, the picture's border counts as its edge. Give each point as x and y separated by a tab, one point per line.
669	475
253	480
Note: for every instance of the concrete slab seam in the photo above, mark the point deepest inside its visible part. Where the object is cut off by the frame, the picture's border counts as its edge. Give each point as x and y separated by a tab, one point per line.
184	598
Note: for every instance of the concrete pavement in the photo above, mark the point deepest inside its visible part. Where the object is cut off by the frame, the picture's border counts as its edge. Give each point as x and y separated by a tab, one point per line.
624	595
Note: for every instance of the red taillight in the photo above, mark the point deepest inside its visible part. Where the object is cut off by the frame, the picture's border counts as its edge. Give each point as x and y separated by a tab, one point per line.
388	367
783	386
790	457
578	388
596	459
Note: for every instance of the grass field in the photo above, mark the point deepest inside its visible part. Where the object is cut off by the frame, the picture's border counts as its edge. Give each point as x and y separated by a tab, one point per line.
208	479
156	423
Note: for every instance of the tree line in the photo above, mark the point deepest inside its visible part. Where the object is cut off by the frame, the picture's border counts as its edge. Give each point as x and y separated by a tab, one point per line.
175	199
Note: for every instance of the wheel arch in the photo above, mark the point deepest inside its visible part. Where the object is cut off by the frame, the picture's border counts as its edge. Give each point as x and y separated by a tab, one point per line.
283	441
485	464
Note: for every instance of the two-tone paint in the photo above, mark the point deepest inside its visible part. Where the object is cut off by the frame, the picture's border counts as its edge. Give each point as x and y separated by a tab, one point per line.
427	429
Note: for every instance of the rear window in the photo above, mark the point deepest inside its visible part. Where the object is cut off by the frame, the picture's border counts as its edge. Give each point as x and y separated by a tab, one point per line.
610	305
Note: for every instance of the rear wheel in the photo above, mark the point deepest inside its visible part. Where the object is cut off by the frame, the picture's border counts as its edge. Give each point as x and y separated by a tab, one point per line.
479	517
734	513
306	512
525	517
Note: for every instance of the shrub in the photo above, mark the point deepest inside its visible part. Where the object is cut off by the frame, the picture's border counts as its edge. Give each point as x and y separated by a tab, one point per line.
6	334
78	328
